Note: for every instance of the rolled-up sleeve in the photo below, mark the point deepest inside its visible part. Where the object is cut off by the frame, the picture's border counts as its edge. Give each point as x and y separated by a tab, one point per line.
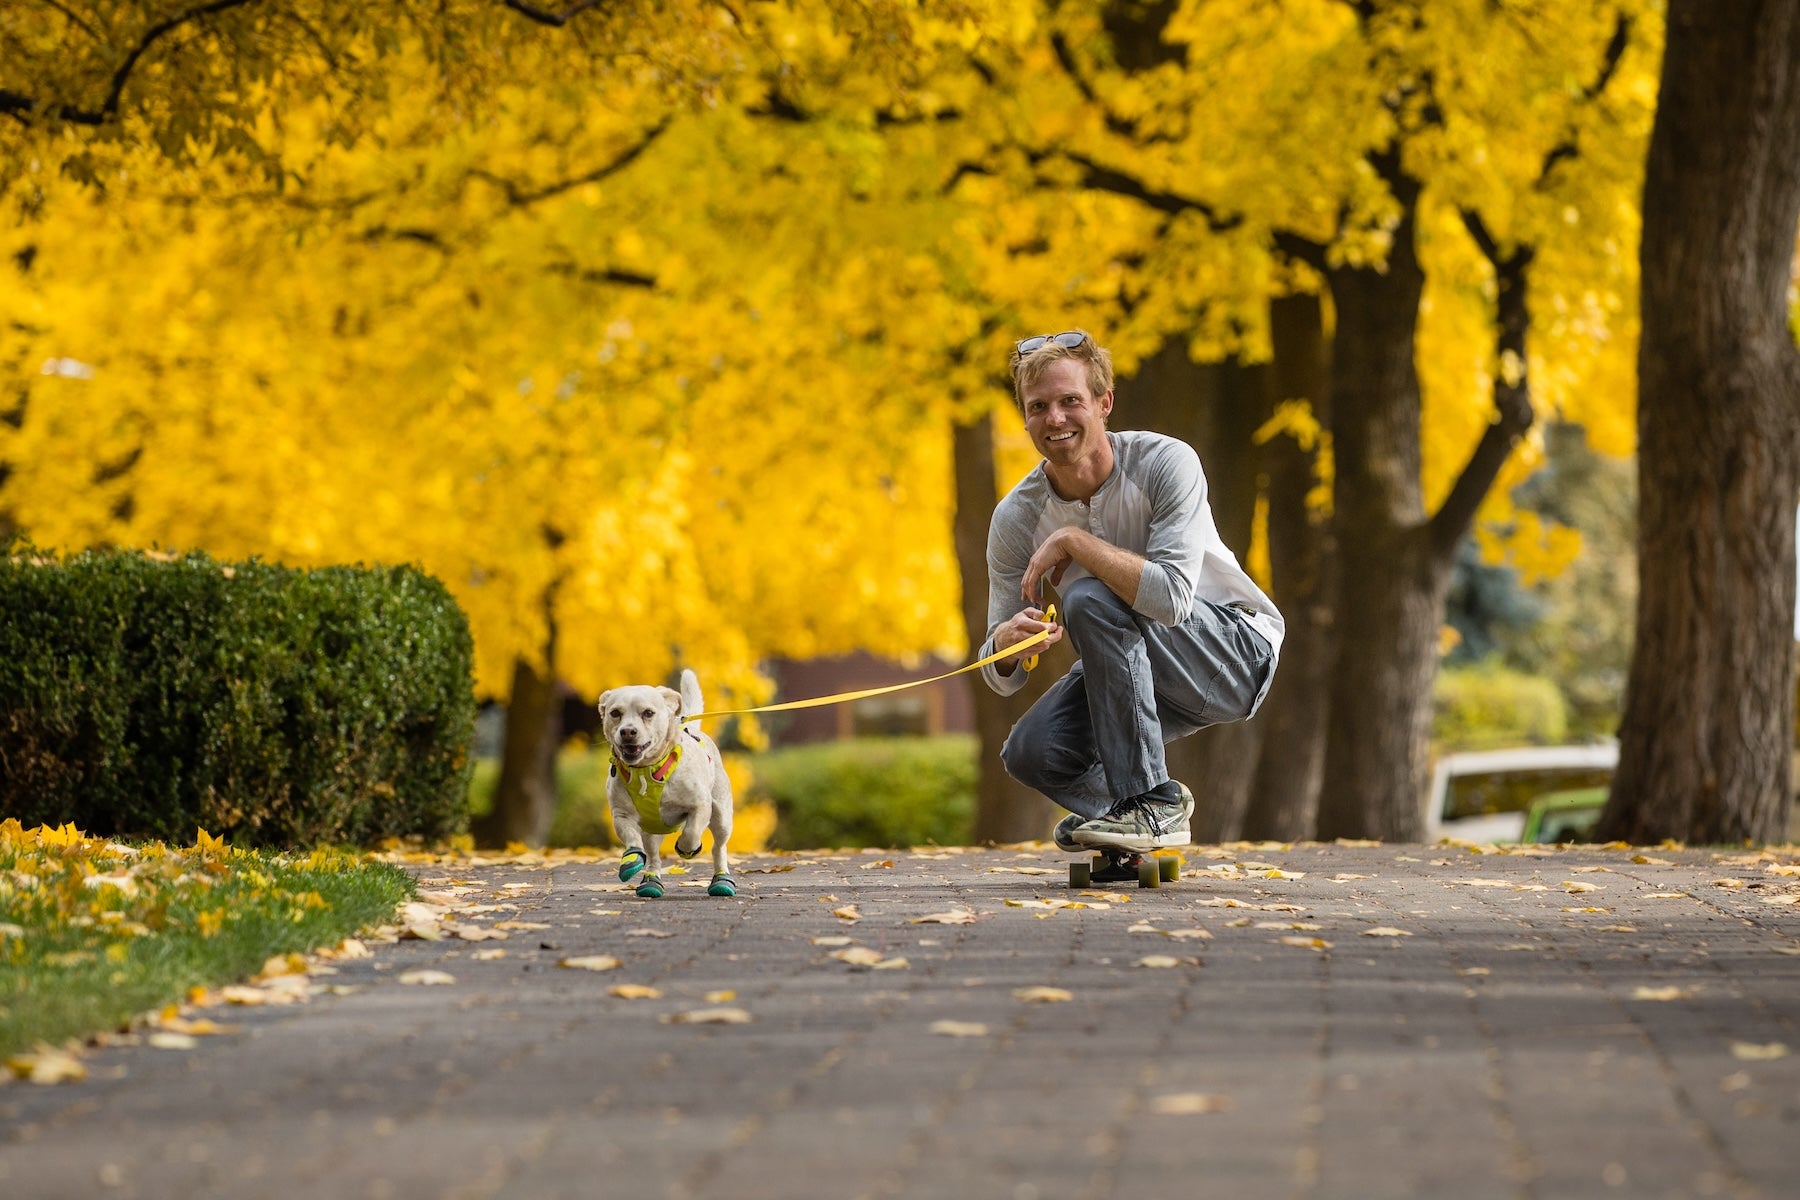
1176	549
1008	553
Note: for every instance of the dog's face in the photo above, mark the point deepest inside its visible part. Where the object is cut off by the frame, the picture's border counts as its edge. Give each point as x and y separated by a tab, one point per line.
639	719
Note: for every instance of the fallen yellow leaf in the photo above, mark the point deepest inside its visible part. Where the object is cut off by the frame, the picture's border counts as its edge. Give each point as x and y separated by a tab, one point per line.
959	917
1042	995
708	1016
857	956
428	978
1386	931
1754	1052
47	1065
1660	993
959	1029
870	866
1309	943
847	913
634	991
488	954
1159	961
723	996
833	941
1185	1104
163	1039
248	996
590	962
1570	885
199	1028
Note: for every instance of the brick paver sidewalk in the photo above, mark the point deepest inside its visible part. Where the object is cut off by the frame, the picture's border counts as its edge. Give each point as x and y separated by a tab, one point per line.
1313	1021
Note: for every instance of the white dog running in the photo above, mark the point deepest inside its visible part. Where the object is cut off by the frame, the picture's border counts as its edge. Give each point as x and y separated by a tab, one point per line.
666	778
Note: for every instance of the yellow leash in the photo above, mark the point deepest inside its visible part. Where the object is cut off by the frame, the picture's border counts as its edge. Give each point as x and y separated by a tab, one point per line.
820	701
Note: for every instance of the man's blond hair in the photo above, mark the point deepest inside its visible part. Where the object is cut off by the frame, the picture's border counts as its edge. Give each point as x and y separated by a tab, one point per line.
1027	369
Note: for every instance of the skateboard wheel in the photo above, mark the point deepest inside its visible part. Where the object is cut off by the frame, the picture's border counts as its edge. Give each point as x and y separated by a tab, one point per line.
1169	867
651	888
1149	874
1080	875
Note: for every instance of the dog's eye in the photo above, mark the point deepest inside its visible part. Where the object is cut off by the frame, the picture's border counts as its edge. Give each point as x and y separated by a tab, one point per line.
616	713
648	713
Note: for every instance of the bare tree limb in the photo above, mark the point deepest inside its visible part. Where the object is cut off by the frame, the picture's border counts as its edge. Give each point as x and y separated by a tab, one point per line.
17	102
543	17
520	197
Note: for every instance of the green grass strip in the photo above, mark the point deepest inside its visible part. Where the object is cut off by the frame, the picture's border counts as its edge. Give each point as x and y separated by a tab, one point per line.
94	933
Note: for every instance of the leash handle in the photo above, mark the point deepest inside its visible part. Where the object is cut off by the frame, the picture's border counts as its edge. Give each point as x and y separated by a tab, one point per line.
1050	616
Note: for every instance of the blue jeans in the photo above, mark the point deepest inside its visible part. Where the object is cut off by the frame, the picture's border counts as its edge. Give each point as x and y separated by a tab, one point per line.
1097	735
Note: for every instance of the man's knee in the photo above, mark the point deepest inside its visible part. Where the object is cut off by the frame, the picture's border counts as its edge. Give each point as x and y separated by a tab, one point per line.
1022	762
1087	603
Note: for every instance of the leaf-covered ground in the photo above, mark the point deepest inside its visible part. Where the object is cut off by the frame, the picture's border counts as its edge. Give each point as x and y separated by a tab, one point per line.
94	932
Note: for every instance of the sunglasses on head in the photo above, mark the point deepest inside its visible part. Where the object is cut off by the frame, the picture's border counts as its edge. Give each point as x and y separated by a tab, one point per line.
1068	341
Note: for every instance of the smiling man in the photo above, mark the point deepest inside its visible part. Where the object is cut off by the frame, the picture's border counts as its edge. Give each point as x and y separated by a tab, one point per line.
1172	635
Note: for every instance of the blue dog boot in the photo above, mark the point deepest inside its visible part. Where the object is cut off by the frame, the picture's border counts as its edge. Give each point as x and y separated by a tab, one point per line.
722	885
634	862
650	888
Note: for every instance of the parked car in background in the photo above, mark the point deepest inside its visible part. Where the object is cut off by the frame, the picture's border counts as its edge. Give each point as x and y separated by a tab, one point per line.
1564	816
1487	795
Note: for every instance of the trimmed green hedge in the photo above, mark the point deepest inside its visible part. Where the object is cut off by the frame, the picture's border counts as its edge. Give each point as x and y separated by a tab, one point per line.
146	697
1487	706
871	792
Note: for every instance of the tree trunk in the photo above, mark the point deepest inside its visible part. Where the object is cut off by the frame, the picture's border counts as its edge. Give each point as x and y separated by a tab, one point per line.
525	798
1284	801
1709	717
1216	408
1391	593
1005	809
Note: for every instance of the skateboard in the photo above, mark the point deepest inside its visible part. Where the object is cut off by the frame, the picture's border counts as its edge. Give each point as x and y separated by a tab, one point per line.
1124	866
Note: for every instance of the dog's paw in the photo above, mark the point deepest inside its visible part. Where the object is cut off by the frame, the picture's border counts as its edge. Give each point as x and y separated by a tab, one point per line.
685	853
633	863
651	888
722	885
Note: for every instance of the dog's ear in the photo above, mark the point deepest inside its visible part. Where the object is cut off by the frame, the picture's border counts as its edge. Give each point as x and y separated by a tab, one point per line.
673	698
602	705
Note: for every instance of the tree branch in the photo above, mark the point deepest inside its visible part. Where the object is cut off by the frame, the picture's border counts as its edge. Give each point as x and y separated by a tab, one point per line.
1513	413
543	17
520	197
1609	65
1108	179
17	102
608	275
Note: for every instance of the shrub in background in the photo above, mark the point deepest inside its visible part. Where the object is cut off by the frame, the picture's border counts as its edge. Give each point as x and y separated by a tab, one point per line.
1487	706
871	792
583	818
146	696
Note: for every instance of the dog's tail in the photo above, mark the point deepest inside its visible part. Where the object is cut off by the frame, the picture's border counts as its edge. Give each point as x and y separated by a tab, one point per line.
691	702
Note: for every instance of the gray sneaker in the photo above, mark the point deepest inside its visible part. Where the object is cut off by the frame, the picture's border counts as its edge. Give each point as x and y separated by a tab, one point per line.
1144	822
1064	833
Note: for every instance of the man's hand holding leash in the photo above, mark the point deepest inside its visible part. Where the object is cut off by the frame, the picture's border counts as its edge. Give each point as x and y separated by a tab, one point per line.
1020	628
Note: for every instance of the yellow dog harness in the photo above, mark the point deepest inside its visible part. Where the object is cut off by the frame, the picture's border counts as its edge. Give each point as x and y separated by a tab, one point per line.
645	785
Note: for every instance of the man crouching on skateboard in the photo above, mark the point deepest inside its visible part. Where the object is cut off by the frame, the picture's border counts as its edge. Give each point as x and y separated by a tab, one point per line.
1172	635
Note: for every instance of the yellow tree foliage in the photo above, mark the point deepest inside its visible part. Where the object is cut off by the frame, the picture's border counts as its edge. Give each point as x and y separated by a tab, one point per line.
596	361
